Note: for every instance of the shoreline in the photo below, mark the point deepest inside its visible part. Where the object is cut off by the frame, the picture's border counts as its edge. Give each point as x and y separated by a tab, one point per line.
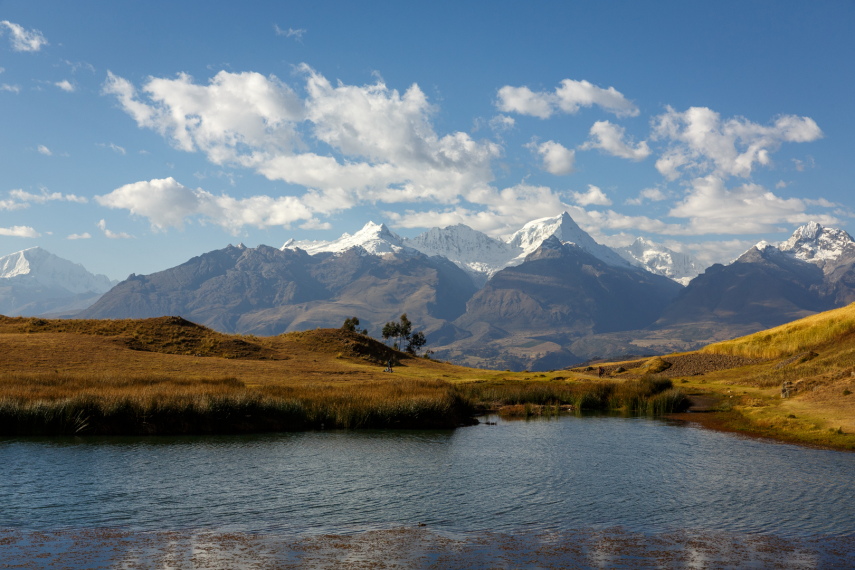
703	413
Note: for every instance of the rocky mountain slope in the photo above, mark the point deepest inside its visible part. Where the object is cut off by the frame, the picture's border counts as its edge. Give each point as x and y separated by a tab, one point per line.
36	282
515	303
268	291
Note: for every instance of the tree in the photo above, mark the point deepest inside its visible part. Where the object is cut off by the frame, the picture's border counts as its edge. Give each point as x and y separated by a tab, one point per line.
350	324
416	342
402	330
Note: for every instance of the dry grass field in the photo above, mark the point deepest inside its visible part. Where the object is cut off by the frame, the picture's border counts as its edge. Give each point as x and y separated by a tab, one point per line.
795	382
168	375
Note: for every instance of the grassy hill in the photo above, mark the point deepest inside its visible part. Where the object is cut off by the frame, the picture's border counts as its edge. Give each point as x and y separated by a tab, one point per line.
794	382
168	375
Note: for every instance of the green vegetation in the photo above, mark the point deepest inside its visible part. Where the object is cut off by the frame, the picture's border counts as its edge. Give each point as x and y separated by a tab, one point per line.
646	395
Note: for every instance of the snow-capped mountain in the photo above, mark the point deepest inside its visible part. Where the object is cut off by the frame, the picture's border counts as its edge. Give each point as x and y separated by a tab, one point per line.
52	271
35	282
660	260
563	227
375	239
824	247
476	253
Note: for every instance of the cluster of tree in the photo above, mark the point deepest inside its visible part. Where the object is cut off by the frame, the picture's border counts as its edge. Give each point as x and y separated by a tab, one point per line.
350	324
400	330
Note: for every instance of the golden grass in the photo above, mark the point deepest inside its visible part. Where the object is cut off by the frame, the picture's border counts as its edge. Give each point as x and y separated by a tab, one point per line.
168	375
791	338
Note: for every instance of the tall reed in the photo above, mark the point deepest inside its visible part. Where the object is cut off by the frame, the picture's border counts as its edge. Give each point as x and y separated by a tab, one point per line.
61	404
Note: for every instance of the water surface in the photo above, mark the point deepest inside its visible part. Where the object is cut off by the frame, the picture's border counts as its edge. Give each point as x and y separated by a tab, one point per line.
643	475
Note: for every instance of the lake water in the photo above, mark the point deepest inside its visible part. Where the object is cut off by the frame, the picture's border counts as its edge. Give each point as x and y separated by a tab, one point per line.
589	474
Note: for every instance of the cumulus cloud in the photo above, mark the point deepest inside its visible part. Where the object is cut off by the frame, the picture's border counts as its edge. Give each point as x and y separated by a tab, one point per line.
84	235
383	144
609	138
701	142
19	231
237	117
557	159
167	203
593	197
568	97
712	208
109	234
492	211
10	88
42	149
23	39
647	195
66	85
502	123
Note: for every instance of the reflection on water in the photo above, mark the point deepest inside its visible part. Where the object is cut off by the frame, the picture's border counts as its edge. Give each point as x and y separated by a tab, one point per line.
546	476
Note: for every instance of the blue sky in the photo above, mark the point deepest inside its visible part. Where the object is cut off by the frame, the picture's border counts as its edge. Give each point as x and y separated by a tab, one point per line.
135	135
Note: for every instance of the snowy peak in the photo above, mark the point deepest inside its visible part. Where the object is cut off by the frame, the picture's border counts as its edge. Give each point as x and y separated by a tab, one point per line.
375	239
48	270
566	230
471	250
659	259
818	245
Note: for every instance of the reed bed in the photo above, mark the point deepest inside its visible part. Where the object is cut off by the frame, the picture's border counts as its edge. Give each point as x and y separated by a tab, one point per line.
41	404
648	395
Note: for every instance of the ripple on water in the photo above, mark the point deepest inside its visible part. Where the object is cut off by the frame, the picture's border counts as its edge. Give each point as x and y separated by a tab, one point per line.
571	473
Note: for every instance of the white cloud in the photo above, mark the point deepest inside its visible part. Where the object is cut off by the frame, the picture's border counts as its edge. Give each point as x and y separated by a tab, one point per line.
114	147
609	137
290	32
167	203
44	197
524	101
22	39
492	211
502	123
593	197
10	88
84	235
557	159
647	195
44	150
19	231
66	85
377	144
568	97
711	208
237	117
102	225
700	142
315	224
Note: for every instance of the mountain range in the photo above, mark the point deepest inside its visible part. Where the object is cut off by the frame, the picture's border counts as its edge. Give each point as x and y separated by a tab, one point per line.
544	297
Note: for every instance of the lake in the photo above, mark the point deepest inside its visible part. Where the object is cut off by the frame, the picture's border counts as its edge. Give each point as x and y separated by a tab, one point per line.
637	479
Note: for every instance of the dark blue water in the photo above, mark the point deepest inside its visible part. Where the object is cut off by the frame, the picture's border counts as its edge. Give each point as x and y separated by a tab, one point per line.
573	473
